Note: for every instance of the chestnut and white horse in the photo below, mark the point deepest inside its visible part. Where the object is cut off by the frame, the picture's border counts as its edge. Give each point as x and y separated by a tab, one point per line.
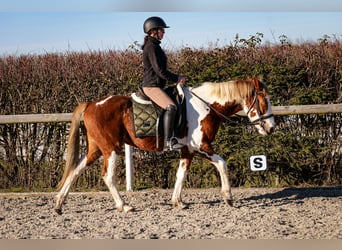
109	125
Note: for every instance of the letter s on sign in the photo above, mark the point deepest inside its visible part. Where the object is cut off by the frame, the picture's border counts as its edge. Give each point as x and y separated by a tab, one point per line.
258	162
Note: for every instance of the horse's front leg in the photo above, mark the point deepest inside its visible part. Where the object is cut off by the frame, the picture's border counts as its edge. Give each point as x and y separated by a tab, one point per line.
182	171
221	166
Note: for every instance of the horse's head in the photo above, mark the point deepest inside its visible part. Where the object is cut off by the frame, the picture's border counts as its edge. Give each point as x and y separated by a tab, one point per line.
259	109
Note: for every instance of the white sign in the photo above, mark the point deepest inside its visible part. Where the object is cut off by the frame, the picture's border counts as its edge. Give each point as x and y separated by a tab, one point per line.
258	162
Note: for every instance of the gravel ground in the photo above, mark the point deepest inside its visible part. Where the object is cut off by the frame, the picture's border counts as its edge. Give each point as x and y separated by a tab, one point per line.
290	213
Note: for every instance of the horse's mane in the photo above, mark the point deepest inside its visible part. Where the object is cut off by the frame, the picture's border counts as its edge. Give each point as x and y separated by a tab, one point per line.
237	90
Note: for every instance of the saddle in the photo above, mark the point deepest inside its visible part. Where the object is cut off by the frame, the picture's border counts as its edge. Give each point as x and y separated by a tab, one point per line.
148	116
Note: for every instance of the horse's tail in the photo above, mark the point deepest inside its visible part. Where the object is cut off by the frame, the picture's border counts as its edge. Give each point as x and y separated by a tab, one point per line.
73	143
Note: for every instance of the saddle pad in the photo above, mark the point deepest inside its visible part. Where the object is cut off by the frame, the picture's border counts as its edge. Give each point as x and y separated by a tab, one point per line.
145	119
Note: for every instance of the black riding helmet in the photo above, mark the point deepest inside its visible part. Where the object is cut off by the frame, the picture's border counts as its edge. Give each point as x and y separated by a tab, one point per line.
154	22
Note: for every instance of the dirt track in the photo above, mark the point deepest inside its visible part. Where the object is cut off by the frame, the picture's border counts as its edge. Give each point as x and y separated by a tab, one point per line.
309	213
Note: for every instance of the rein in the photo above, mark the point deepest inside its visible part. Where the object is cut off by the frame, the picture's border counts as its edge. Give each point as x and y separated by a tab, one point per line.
212	108
262	118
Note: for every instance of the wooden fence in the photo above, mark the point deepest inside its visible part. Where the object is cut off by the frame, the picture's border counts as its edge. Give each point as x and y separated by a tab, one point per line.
277	110
66	117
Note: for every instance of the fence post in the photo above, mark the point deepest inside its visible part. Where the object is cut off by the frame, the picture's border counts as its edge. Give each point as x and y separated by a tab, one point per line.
129	167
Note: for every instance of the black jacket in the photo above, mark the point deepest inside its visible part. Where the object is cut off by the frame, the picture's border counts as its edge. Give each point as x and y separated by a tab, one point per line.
155	65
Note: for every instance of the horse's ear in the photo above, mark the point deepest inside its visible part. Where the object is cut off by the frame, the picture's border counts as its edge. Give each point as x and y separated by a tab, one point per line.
256	82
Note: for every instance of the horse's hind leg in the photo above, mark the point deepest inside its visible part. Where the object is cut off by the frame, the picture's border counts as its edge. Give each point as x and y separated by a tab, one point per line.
86	160
108	175
63	193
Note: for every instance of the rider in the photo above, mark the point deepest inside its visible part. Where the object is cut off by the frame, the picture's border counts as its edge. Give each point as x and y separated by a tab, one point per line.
155	76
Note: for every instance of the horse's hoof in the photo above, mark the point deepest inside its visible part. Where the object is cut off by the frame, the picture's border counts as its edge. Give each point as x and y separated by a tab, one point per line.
180	205
128	209
125	209
183	206
58	211
230	202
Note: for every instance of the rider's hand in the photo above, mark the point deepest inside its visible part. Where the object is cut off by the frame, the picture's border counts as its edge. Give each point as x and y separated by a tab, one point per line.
181	80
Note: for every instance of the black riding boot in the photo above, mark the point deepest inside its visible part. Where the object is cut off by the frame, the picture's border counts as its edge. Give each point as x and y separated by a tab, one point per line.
170	142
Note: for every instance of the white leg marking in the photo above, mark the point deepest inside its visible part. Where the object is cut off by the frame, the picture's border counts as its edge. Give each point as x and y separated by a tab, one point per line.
109	179
63	193
221	166
180	177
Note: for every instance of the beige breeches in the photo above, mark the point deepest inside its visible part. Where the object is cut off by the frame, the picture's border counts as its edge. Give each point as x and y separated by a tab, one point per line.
158	96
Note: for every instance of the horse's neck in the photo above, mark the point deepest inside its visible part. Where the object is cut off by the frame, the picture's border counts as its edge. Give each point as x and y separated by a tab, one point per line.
204	93
226	107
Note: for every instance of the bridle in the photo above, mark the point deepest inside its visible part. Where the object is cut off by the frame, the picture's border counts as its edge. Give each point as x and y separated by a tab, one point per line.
262	117
260	121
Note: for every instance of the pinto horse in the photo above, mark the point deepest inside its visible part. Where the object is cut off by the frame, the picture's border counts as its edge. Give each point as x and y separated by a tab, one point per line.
109	124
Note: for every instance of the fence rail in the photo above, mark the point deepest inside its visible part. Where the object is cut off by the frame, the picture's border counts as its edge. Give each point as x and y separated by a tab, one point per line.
277	110
66	117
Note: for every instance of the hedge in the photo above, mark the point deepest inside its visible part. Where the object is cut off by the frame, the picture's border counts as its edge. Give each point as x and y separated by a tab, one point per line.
304	150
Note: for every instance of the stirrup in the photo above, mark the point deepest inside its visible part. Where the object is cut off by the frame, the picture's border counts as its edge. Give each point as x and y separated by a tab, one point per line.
172	145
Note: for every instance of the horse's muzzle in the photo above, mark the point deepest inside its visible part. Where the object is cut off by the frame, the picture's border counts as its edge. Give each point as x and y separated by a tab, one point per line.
265	128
